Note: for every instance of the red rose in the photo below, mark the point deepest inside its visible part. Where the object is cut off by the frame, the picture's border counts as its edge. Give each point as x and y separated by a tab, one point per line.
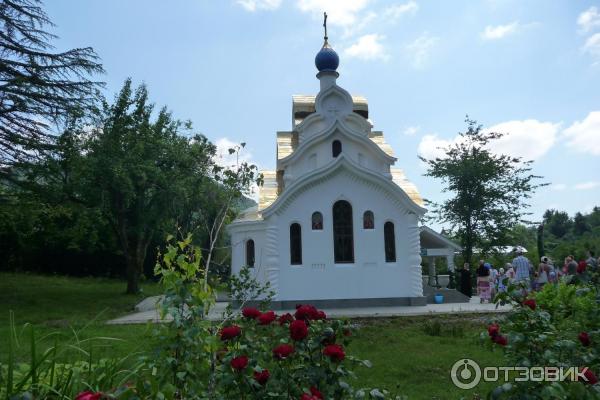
250	312
315	392
283	351
267	318
335	352
239	363
493	330
530	303
584	338
285	318
87	395
230	332
306	312
581	267
501	340
590	377
262	377
298	330
321	315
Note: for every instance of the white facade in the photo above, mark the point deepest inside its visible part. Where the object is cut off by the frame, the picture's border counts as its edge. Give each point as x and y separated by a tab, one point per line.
309	179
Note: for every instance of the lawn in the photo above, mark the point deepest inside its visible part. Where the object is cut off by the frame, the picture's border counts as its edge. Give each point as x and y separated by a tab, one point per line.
402	353
69	310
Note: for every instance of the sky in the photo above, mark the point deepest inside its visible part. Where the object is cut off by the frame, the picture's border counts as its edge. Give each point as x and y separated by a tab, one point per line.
529	69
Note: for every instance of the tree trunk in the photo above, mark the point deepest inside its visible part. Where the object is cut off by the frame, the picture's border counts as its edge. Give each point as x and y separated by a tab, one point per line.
540	240
133	275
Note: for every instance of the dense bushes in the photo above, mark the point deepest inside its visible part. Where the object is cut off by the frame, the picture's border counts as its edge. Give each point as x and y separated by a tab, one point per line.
556	327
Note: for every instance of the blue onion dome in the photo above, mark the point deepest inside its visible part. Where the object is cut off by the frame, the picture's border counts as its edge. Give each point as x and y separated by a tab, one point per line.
327	59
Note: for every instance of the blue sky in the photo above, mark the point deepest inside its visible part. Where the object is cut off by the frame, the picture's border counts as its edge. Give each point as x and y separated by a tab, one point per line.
529	68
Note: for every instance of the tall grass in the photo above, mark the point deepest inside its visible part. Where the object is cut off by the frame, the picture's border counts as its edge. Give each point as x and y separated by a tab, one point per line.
62	370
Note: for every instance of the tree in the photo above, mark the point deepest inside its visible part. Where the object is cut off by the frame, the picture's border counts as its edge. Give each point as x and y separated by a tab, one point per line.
580	224
144	173
558	222
38	87
488	191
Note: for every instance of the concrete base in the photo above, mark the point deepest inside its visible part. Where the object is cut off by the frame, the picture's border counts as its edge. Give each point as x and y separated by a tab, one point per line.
450	295
345	303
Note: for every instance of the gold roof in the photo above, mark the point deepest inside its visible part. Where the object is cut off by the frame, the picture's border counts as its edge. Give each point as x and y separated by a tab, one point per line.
285	144
268	191
377	137
399	178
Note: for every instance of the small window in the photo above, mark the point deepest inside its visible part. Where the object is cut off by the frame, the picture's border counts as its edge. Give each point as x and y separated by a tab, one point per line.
295	244
317	221
336	148
343	237
390	242
250	253
368	220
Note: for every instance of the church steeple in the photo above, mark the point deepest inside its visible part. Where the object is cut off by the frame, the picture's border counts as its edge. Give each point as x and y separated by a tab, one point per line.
327	61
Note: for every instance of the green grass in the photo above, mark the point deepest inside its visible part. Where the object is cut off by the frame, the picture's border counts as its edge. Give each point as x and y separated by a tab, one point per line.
403	355
419	365
70	310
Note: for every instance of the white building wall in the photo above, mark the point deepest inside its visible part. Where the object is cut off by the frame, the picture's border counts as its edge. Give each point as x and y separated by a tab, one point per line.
369	276
238	251
319	154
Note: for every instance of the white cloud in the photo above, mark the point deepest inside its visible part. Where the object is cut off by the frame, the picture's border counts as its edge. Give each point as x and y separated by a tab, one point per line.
592	46
254	5
584	136
411	130
559	187
419	50
589	19
398	10
342	13
368	47
223	158
499	31
431	146
586	185
529	139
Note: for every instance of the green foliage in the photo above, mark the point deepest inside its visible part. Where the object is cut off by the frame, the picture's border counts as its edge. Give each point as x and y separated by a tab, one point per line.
489	191
39	86
46	375
546	331
195	359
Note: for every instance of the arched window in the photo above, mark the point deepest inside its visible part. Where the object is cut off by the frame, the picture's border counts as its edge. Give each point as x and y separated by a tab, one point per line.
368	220
336	148
317	221
295	244
343	237
390	242
250	253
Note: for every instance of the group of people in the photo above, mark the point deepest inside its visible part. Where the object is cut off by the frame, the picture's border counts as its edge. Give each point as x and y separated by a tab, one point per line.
491	280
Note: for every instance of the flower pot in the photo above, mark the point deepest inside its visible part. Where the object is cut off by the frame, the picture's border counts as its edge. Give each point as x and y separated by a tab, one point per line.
439	299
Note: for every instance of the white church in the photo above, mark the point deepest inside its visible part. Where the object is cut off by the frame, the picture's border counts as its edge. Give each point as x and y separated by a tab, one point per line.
336	223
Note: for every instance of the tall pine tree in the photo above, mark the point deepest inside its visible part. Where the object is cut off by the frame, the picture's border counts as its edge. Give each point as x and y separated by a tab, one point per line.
38	86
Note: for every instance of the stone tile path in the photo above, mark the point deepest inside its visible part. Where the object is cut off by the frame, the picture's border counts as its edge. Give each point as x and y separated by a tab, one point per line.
146	311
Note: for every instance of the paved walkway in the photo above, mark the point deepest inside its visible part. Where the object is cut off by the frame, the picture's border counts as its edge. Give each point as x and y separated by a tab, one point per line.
146	311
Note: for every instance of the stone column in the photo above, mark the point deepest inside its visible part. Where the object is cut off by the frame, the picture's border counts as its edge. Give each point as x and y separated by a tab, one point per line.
432	281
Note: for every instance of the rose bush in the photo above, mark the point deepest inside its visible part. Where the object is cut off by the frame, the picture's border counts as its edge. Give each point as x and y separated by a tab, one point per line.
558	326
